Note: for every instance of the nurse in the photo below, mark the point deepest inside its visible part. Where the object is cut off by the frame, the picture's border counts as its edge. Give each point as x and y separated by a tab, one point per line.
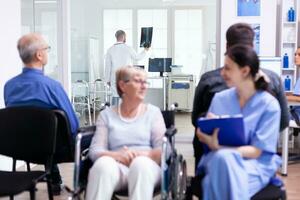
297	64
237	173
297	57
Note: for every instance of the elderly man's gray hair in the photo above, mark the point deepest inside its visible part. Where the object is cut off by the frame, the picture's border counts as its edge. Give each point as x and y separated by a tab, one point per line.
27	46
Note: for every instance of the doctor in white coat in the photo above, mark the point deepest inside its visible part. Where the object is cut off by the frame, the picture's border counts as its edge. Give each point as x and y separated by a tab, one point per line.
120	54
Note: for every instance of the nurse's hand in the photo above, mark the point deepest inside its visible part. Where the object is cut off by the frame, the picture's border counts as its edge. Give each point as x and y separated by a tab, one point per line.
210	140
211	115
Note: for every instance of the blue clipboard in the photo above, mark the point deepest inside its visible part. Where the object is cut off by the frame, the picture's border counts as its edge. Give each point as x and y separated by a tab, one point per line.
231	133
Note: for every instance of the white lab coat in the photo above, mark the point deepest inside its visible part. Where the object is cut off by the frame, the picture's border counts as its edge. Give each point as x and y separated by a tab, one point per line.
120	54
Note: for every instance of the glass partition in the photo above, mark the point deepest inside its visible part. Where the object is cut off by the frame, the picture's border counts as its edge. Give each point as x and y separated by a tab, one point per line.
41	16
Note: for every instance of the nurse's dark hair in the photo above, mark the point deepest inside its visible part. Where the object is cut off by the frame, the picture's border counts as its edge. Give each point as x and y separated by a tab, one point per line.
244	55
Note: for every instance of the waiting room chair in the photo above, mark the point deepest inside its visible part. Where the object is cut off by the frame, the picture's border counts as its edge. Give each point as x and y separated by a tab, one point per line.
28	134
274	191
65	144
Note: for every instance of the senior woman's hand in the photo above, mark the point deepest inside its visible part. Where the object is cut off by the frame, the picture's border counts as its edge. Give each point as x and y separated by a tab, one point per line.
126	156
211	141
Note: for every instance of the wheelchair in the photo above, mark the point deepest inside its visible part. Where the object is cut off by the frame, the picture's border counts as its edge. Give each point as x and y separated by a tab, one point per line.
173	166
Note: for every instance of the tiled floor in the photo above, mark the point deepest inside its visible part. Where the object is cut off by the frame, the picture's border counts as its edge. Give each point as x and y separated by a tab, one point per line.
184	146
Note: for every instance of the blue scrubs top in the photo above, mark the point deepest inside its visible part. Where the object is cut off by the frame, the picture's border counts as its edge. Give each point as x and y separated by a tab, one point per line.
261	119
33	88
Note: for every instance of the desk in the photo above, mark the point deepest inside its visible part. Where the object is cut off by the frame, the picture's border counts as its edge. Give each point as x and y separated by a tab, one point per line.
156	93
292	101
181	89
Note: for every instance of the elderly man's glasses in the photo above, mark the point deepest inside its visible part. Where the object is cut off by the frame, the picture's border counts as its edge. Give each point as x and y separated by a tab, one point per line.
48	48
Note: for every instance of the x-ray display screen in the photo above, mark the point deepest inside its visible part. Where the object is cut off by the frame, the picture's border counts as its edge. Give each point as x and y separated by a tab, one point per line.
146	37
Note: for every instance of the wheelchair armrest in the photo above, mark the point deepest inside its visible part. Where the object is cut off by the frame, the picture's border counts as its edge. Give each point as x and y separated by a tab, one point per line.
86	129
170	132
84	132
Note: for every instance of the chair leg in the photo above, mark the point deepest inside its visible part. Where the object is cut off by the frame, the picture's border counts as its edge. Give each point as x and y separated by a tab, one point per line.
28	166
11	197
14	165
189	193
50	194
32	193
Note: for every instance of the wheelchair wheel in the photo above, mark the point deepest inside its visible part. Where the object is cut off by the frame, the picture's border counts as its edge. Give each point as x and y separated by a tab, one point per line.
179	179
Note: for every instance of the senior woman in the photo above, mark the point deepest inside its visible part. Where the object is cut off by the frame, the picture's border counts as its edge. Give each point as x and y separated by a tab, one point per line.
126	147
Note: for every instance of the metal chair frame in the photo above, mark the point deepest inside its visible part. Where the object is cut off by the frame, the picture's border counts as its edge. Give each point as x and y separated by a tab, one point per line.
81	84
100	87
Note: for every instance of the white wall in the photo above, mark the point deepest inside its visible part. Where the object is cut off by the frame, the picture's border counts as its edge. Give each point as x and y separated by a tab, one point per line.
267	21
10	21
10	65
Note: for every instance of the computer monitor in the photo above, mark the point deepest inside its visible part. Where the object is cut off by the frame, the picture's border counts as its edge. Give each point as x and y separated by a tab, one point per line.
271	63
160	65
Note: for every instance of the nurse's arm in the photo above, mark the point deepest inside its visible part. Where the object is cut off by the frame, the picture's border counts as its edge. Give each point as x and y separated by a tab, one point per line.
249	151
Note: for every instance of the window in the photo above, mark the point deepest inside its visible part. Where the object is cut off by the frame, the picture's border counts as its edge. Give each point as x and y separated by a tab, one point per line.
188	40
114	20
158	20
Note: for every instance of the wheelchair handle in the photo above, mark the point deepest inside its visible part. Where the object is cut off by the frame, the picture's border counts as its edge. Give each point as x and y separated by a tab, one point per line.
174	106
171	132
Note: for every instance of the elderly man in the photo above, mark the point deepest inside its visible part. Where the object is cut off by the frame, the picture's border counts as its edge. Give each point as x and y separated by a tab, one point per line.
33	88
